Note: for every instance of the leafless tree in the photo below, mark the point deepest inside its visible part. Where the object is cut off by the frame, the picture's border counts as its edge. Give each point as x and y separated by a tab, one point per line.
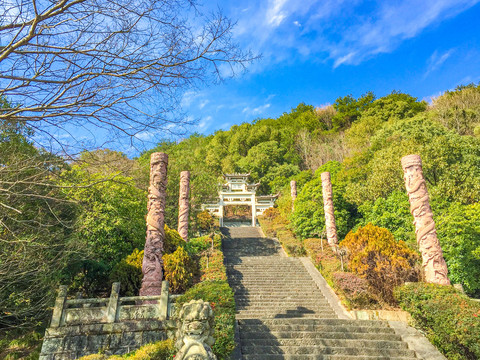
117	65
316	150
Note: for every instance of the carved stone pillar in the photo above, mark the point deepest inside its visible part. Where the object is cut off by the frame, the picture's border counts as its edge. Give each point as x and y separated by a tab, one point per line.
330	226
152	258
293	192
183	204
434	265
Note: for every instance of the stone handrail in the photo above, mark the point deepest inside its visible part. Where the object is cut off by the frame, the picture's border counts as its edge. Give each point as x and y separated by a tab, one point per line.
110	310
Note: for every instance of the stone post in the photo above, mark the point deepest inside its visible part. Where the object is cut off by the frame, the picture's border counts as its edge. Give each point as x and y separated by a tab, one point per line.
254	211
111	312
293	192
330	226
152	258
163	301
59	305
183	204
220	211
434	265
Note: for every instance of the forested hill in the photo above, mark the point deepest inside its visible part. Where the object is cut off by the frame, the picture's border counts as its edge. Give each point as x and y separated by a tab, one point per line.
65	224
360	141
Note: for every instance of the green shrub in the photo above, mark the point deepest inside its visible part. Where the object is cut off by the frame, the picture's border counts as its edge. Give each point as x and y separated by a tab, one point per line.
197	245
220	296
21	344
179	270
129	273
458	228
172	240
374	255
211	265
308	219
450	320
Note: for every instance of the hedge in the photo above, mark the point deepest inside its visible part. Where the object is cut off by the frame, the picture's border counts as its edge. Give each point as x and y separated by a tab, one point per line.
450	320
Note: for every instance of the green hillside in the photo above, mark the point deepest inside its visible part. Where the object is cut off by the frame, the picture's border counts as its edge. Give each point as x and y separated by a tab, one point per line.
72	222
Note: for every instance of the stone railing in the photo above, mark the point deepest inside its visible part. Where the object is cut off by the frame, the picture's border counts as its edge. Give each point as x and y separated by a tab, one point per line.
109	310
114	325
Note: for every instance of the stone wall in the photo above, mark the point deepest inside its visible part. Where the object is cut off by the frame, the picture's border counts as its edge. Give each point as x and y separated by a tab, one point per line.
115	325
72	342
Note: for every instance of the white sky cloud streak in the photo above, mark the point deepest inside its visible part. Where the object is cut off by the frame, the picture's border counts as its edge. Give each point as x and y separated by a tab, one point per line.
341	32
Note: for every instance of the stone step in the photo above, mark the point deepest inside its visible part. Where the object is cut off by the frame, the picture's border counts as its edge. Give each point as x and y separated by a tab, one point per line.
262	260
239	316
275	282
352	329
277	289
282	314
325	342
285	270
298	309
272	286
280	297
289	280
321	357
265	334
284	305
326	350
332	322
264	265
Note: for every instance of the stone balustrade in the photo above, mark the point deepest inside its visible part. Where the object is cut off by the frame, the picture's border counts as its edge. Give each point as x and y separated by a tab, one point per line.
114	325
109	310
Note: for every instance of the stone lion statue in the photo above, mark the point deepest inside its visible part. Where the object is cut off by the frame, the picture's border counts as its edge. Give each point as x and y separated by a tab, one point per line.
195	330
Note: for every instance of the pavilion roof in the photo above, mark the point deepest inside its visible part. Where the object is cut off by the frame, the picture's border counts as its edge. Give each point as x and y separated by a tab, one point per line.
234	175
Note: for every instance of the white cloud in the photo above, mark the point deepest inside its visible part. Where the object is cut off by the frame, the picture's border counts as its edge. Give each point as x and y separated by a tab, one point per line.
188	98
257	110
260	109
203	103
204	124
436	60
275	12
340	31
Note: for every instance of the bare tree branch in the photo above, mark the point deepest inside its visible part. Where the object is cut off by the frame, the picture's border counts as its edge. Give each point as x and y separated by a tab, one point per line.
95	63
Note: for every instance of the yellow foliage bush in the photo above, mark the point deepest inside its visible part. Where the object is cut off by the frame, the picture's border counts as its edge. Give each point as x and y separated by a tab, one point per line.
162	350
129	273
271	213
172	240
179	270
205	221
375	255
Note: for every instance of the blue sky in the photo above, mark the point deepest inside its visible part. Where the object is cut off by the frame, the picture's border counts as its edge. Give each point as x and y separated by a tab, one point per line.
316	51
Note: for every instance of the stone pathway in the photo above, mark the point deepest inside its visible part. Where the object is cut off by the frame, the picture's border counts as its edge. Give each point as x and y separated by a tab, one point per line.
282	314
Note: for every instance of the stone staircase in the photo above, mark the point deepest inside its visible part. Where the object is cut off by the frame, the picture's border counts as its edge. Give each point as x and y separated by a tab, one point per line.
282	314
